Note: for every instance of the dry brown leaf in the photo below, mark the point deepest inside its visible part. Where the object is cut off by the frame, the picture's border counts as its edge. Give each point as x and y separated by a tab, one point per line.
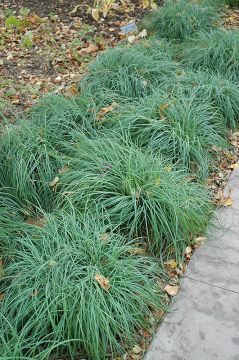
91	49
1	296
103	281
158	314
146	334
54	181
106	109
171	290
95	14
40	222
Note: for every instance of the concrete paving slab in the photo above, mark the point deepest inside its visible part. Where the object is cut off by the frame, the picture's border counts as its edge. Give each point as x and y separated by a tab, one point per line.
204	323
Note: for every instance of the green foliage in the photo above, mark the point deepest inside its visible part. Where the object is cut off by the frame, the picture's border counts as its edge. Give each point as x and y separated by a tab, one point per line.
179	19
13	21
211	88
27	166
140	192
24	11
27	41
129	71
53	301
216	50
181	128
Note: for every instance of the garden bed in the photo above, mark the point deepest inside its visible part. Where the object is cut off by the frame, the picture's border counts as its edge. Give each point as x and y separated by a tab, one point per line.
108	184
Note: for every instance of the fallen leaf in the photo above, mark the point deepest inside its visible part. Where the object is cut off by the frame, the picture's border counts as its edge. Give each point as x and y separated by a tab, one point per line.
227	202
136	349
137	251
40	222
143	34
158	314
171	290
145	4
1	296
163	107
188	250
103	281
106	109
74	10
34	293
172	264
54	181
234	166
91	48
146	334
131	39
95	14
153	5
200	239
104	237
64	169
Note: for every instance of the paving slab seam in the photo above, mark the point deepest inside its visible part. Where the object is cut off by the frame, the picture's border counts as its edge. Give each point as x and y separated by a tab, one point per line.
216	286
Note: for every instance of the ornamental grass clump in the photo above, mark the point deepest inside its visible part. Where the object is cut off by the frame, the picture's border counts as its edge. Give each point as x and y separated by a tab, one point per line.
178	20
181	128
141	193
27	167
74	287
56	116
128	71
216	50
212	88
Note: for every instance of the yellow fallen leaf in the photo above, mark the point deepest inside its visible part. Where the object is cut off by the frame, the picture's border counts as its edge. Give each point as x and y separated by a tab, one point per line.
234	166
153	5
95	14
145	4
172	264
103	281
137	251
54	181
171	290
227	202
200	239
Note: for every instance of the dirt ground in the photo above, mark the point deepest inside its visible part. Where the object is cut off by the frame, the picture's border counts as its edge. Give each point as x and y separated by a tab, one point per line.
64	39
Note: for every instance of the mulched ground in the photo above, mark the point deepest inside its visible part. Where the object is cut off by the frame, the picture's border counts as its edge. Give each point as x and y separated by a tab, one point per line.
65	38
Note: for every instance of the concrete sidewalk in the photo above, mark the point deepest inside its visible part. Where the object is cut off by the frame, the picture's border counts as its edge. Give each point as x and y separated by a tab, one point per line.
204	324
